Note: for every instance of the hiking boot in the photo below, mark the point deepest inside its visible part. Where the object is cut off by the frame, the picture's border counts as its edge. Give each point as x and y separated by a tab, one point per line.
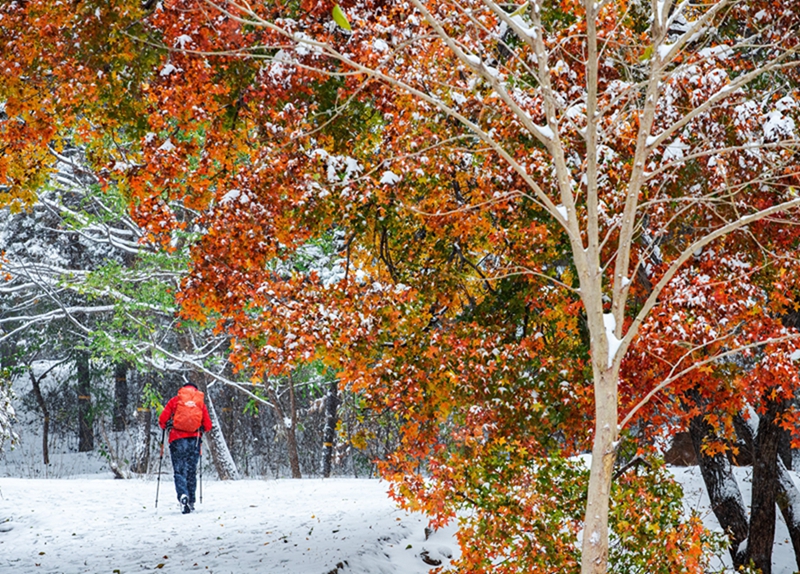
185	508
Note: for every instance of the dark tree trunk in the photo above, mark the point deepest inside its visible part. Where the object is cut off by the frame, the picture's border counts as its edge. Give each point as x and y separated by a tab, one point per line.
85	434
37	391
120	397
723	491
787	496
287	425
785	448
765	481
329	433
291	435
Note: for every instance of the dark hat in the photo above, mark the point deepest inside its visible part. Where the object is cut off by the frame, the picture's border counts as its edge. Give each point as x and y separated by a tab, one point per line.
190	385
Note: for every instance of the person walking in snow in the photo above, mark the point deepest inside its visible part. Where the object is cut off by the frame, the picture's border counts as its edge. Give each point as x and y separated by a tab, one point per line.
187	417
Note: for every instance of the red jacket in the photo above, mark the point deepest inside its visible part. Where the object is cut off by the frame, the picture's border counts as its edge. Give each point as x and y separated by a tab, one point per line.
169	411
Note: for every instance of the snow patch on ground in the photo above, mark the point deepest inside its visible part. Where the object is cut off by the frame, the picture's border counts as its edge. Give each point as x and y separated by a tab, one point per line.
278	526
88	523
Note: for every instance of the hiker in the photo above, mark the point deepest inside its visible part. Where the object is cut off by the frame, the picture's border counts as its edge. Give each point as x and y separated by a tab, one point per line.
187	417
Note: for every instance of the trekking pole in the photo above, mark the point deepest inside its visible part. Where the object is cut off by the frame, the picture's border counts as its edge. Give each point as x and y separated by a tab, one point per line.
200	446
160	461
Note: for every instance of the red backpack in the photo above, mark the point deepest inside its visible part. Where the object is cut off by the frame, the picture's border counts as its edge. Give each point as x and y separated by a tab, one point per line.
189	411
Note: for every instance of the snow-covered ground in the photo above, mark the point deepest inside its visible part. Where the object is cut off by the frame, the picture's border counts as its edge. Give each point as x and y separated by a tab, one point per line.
92	523
312	526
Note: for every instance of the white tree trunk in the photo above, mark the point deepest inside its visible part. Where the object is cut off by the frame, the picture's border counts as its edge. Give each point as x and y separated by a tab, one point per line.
594	557
220	453
141	454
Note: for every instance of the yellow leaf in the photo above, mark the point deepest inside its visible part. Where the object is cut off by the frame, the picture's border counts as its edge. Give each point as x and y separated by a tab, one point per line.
340	18
521	10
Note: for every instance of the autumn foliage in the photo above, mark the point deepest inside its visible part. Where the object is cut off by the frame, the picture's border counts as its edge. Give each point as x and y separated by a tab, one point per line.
434	147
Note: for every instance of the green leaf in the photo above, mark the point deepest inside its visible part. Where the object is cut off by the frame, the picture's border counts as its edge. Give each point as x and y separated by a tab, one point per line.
647	53
521	10
340	18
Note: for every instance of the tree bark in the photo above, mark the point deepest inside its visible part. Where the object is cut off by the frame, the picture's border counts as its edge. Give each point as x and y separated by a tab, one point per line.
85	433
291	435
141	457
594	557
220	454
119	421
329	432
144	422
37	391
723	491
785	448
787	497
287	424
765	482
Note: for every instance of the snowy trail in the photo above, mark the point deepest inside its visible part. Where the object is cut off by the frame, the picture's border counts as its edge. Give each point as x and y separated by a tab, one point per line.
93	524
295	526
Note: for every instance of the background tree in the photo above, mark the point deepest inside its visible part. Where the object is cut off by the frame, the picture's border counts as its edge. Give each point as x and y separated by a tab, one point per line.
615	158
121	303
7	433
